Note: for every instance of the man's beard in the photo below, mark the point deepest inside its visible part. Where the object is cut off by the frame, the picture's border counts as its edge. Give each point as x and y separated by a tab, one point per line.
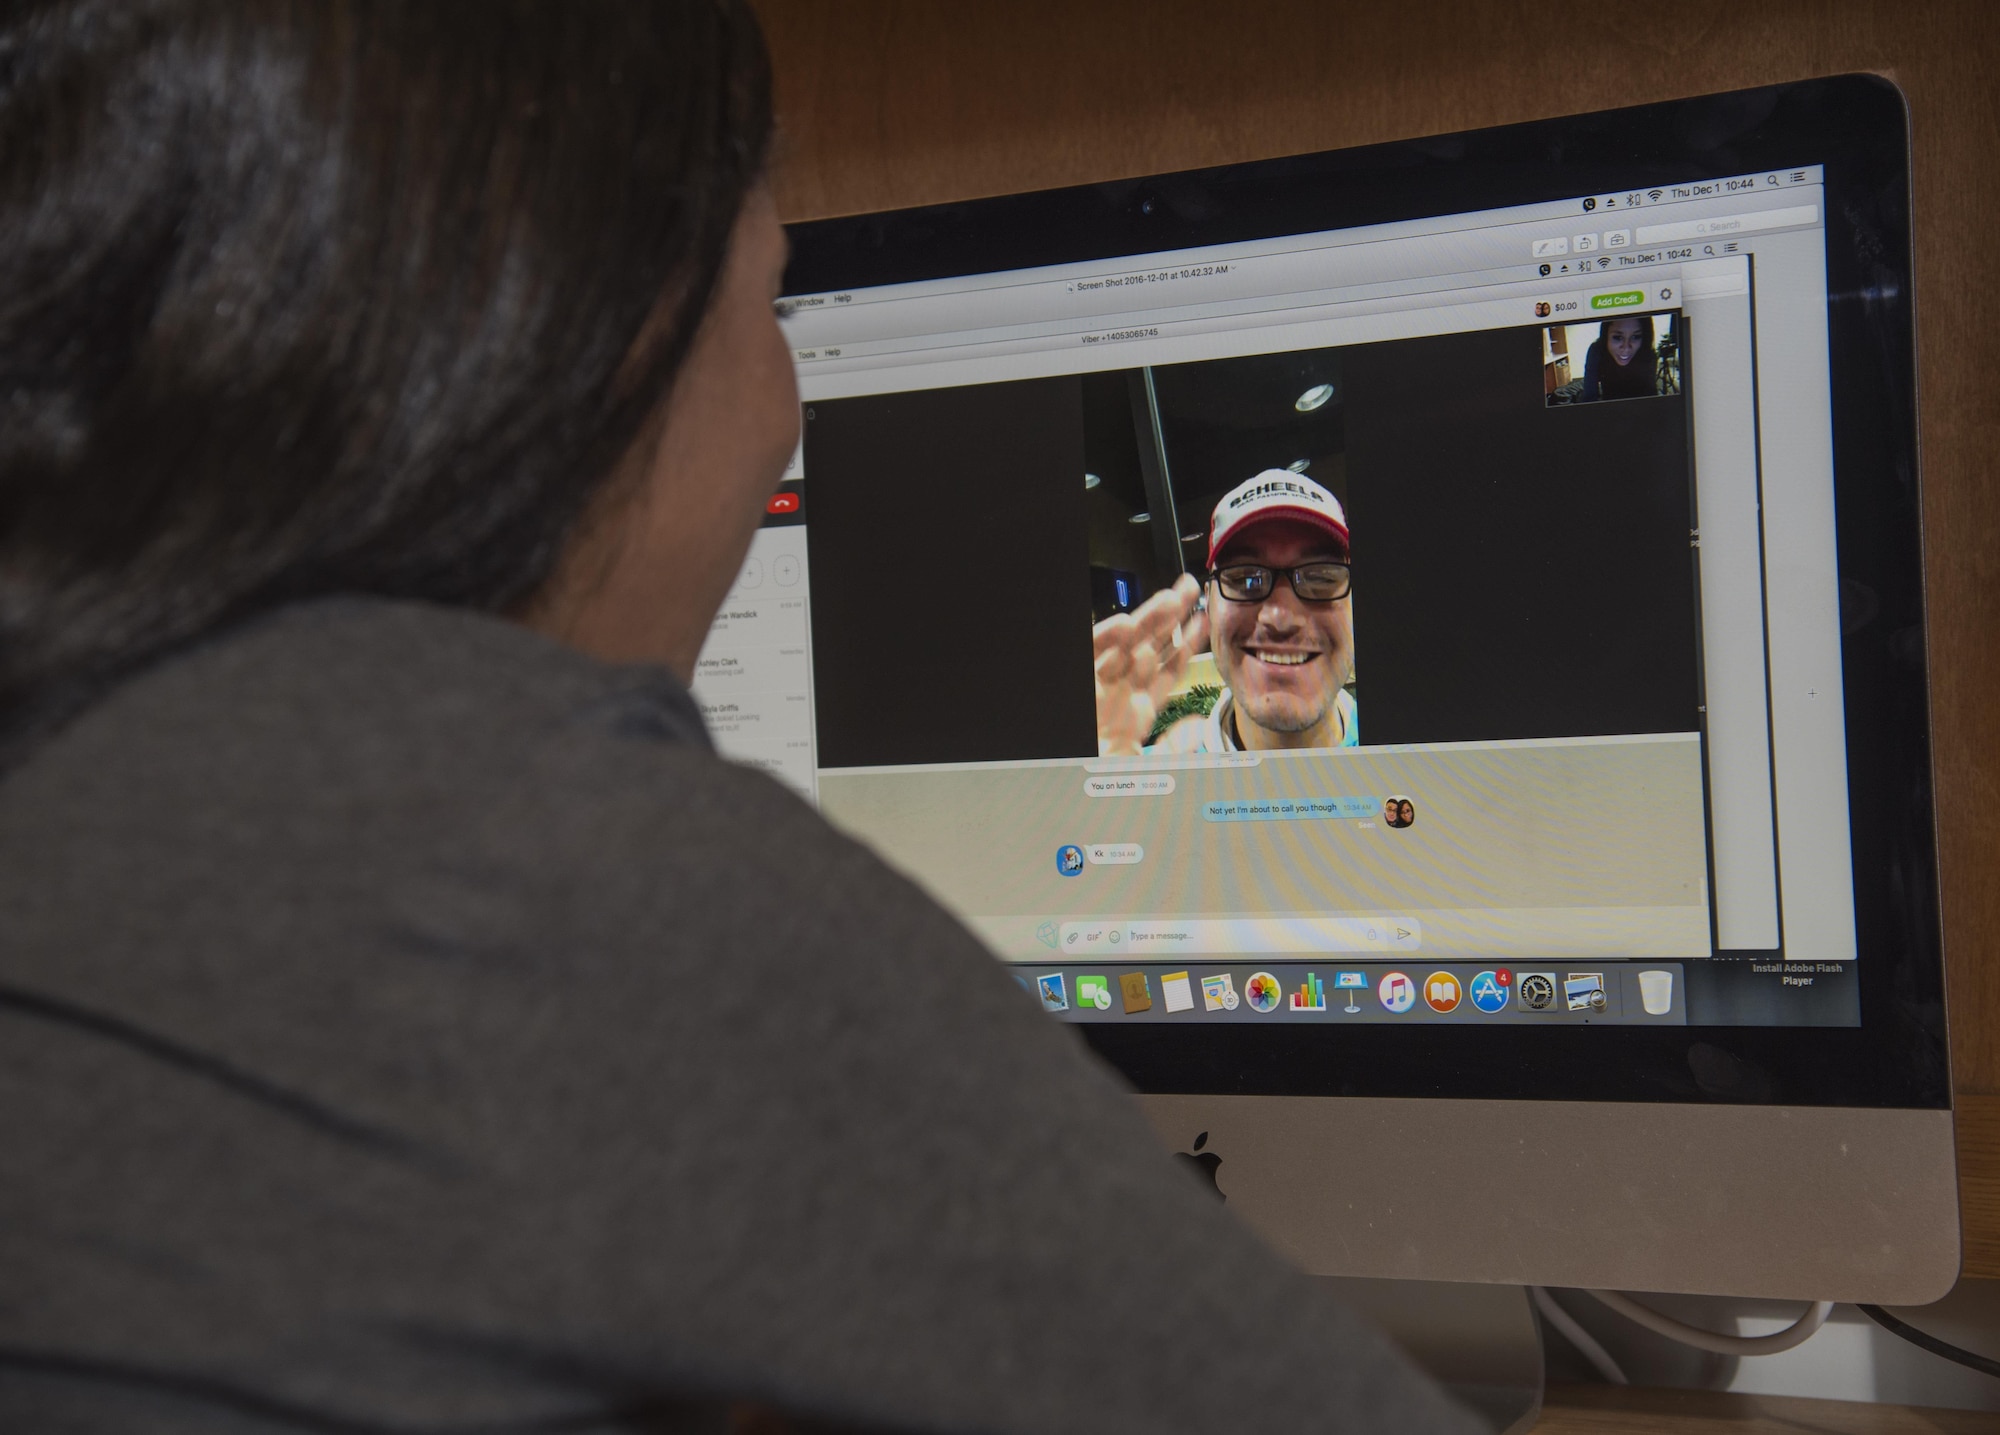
1285	721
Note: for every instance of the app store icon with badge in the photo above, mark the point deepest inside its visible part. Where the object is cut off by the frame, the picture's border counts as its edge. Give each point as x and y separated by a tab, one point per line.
1488	990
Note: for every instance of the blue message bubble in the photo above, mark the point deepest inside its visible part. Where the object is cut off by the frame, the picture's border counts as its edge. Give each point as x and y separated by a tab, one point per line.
1289	809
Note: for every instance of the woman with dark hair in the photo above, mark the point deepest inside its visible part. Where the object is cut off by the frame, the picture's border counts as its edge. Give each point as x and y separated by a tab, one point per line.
406	1022
1621	364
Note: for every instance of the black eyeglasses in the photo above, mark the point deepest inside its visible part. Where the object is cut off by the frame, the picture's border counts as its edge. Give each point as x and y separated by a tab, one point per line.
1313	582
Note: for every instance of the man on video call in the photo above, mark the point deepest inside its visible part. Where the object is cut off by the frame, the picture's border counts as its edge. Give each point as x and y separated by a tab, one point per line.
1277	612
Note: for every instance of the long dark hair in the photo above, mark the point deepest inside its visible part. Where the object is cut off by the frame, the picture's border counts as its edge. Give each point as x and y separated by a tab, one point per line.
1609	379
336	296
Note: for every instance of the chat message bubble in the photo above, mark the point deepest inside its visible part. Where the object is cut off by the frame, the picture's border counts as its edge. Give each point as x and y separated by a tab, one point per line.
1114	854
1137	784
1289	809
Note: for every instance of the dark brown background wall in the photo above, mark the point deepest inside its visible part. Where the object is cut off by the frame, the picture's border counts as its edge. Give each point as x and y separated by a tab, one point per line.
885	104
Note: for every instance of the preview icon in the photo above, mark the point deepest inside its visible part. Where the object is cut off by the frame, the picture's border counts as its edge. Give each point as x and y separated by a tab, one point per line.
1584	991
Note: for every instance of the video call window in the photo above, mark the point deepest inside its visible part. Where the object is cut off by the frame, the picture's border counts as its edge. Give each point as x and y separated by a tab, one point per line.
1199	647
1510	572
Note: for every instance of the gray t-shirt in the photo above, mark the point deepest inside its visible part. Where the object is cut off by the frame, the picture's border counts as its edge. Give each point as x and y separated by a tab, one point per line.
407	1023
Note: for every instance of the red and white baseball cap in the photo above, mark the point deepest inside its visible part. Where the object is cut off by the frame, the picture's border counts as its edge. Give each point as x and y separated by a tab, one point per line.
1272	495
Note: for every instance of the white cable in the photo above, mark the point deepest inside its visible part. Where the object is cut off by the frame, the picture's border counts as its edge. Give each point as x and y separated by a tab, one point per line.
1576	1335
1797	1333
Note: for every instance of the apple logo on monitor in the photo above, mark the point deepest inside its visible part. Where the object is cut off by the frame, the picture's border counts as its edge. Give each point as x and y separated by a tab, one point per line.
1204	1164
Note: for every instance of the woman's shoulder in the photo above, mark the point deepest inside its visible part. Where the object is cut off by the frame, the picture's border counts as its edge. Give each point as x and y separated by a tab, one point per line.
352	791
361	731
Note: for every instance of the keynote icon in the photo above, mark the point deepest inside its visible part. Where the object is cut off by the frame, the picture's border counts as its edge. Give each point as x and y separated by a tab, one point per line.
1093	991
1263	992
1398	992
1350	982
1441	992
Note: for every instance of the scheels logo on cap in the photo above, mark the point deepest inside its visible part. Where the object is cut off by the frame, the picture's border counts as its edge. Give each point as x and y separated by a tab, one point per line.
1290	487
1274	494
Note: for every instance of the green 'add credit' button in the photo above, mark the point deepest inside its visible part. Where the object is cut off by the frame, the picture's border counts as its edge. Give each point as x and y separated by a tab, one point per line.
1627	299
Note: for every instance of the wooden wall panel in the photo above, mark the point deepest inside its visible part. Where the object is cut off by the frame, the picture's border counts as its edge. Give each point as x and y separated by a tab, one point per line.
885	103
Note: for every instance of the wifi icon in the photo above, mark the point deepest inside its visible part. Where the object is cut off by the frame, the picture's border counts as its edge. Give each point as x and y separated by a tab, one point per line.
1605	262
1654	194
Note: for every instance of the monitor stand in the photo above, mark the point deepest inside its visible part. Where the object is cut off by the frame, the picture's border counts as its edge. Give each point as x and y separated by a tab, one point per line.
1481	1342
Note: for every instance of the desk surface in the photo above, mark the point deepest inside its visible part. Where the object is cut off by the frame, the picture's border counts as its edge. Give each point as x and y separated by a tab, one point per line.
1615	1410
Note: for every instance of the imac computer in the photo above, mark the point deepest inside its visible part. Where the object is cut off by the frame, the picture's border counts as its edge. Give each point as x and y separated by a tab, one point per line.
1417	652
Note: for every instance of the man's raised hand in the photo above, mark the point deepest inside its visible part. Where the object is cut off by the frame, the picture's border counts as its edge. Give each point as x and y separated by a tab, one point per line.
1141	655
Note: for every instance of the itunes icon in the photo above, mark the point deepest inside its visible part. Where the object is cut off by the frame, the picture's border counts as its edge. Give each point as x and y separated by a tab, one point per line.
1398	992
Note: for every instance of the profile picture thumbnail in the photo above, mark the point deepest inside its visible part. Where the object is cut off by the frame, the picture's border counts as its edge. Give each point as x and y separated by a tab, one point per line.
1398	812
1625	356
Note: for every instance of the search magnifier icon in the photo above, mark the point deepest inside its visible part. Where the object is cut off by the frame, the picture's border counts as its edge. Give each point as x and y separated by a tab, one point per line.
1708	249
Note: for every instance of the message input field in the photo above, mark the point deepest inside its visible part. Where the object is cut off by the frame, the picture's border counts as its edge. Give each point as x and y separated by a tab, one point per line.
1306	935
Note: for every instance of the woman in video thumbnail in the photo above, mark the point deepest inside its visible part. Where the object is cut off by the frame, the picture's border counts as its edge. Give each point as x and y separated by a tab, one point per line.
1622	363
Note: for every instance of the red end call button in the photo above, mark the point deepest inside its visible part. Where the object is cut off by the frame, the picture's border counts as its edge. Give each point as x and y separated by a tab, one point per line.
782	503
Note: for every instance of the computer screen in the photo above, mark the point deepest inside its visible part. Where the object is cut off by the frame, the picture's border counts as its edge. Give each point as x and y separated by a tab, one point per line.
1426	623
